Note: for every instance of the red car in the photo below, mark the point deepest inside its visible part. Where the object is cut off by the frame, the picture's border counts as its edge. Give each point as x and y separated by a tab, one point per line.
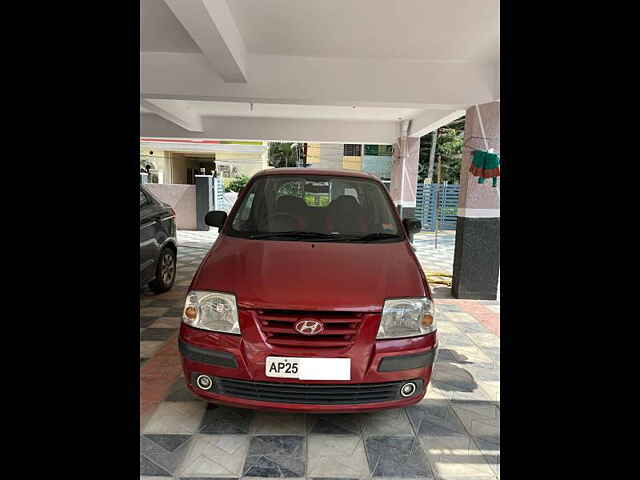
311	299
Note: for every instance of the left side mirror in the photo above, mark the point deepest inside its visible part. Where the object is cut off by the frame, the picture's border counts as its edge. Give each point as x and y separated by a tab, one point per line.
412	225
216	218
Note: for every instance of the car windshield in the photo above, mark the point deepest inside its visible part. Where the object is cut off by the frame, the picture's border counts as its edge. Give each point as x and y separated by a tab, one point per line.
316	208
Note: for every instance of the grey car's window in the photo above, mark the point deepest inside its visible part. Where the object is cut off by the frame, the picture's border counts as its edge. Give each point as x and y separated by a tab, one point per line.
143	199
339	208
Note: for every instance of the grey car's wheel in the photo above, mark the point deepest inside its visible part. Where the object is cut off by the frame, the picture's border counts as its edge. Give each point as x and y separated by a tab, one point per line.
165	271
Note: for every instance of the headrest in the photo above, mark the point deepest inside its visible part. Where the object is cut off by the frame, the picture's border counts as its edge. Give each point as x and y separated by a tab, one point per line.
288	203
345	202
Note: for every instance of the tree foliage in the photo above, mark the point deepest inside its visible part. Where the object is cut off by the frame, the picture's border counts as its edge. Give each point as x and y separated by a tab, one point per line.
282	154
449	149
236	184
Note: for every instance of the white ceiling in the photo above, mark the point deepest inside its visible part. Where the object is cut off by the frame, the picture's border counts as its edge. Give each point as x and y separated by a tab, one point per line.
454	30
308	62
432	30
160	30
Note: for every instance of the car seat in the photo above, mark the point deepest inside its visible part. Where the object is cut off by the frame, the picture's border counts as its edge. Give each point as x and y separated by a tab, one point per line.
345	215
293	206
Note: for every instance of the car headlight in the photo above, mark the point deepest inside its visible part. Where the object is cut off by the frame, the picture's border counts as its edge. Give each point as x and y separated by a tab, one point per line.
213	311
407	317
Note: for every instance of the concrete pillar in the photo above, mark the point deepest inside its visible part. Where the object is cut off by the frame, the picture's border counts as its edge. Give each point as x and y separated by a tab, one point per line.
404	172
204	199
476	263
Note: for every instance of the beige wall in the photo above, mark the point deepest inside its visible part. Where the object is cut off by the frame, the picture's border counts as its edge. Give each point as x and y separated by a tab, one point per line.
182	199
160	160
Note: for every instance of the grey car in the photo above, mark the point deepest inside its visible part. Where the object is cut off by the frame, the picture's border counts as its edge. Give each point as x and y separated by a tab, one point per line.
158	244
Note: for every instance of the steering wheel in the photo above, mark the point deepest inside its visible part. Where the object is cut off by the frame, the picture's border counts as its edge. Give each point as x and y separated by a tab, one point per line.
282	221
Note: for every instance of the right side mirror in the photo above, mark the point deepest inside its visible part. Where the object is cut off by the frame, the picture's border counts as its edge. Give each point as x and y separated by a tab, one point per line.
412	225
216	218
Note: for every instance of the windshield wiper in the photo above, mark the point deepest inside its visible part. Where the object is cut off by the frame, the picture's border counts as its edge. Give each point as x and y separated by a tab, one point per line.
372	237
292	234
318	236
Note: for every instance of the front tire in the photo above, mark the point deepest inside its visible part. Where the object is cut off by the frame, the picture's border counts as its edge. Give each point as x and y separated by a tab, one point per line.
165	271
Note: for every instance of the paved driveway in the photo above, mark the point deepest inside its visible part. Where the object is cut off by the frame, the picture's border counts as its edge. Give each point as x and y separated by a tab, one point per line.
453	433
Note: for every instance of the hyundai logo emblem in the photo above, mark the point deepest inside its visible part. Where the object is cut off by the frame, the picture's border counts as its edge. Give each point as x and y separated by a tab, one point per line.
308	327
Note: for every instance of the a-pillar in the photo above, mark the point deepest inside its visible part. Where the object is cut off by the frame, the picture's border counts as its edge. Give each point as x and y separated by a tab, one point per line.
476	263
404	172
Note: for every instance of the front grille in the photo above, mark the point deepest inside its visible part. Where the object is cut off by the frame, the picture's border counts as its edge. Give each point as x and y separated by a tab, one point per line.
309	393
340	328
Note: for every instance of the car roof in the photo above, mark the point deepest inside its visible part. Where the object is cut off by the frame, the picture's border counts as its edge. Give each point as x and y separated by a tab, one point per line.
316	171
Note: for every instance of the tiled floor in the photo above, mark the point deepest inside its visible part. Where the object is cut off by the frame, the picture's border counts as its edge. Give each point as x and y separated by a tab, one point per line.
436	252
453	433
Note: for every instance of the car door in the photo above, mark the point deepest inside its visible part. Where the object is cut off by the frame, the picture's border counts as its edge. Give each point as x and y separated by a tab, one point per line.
149	247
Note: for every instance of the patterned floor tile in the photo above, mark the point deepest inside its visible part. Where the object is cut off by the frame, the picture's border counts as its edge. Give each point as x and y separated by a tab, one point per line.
451	377
335	424
176	418
460	318
147	349
179	392
447	326
485	340
167	322
164	451
337	455
471	355
474	327
481	420
443	307
146	321
215	456
157	334
386	422
396	456
147	467
452	340
280	456
435	419
272	423
455	456
226	420
450	354
152	311
492	389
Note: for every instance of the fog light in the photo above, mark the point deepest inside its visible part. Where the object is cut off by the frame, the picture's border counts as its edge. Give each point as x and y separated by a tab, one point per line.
408	389
204	382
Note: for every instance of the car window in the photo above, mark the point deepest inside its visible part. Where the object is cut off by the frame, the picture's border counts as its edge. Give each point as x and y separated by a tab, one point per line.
337	208
246	207
143	199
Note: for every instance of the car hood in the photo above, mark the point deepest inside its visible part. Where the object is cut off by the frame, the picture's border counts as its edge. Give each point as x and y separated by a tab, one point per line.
320	276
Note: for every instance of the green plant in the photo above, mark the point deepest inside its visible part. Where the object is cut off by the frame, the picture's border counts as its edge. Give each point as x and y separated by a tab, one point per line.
236	184
284	154
449	149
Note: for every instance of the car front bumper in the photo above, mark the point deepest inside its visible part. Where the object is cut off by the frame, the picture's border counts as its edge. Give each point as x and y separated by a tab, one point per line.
236	368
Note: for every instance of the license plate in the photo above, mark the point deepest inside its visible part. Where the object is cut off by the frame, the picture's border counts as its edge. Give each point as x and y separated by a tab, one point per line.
309	368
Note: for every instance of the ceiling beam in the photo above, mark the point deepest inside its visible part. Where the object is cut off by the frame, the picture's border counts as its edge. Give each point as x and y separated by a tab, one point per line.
430	120
213	29
179	114
275	129
321	81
